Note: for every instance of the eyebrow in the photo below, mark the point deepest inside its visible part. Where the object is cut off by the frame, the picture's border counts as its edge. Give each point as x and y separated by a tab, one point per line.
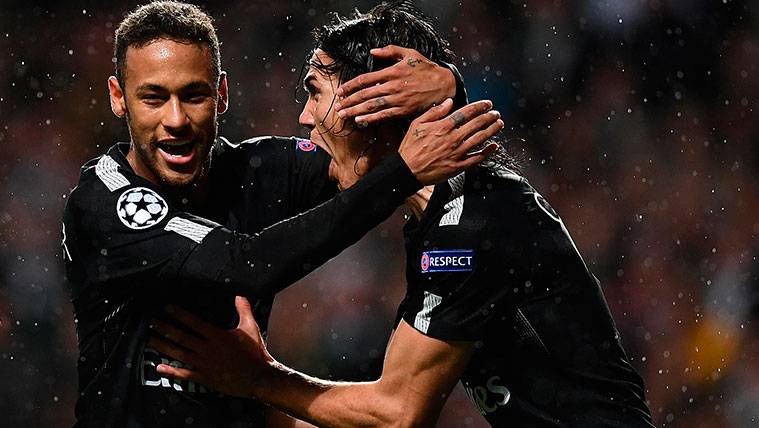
309	82
151	87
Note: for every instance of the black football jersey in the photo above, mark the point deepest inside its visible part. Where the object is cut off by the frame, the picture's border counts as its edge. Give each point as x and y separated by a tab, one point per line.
132	247
491	262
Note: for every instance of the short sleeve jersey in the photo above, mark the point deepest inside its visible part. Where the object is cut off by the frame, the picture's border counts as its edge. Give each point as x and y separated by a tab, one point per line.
132	247
491	262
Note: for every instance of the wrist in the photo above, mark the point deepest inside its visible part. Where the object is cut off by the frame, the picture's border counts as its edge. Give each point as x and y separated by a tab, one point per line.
449	83
263	377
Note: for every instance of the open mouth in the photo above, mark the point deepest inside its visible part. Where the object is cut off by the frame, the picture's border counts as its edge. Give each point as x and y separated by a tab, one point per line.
177	152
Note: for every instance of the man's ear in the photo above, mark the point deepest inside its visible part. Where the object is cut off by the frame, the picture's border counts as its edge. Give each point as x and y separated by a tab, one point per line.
118	102
223	103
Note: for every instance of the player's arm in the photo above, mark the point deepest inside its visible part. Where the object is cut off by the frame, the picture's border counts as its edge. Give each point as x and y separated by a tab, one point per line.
435	147
418	374
278	419
405	89
199	252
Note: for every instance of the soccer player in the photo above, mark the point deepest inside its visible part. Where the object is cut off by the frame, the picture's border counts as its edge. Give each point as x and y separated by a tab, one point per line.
498	295
178	209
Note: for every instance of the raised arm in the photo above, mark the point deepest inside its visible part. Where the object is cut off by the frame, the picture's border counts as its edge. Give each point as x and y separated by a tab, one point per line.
417	377
435	147
405	89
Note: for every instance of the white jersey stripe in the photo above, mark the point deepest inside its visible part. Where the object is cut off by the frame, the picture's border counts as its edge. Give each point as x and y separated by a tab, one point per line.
454	209
106	170
455	206
188	229
422	319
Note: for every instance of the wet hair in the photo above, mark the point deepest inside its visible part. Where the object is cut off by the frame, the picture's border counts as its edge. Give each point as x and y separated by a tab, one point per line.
348	41
177	21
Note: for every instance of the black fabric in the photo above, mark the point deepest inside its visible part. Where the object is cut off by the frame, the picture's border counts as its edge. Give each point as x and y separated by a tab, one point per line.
547	352
122	274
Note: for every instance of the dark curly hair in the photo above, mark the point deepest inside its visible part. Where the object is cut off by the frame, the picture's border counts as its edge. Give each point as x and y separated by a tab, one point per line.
348	41
171	20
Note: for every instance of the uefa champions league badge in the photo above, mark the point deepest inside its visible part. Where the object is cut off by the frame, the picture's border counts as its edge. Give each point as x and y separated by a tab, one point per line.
140	207
305	145
447	261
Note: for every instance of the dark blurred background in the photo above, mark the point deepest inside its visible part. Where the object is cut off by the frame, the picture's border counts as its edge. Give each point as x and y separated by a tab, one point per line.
640	126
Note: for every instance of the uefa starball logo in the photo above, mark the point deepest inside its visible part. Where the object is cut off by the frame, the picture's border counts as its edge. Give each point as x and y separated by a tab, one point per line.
306	145
425	262
140	208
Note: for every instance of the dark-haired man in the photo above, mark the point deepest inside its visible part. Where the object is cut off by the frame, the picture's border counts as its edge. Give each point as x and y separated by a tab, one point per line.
498	295
157	215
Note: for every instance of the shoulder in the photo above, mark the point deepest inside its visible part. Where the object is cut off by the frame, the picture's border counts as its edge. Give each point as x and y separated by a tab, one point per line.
270	150
110	196
484	203
100	177
269	144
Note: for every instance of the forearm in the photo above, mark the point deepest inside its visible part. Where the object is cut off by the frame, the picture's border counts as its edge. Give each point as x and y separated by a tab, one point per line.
328	404
268	261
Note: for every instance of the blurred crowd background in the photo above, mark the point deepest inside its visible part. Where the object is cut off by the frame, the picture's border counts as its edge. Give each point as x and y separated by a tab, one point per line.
640	125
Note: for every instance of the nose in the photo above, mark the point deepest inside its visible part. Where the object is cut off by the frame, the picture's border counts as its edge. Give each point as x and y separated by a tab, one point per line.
175	117
306	118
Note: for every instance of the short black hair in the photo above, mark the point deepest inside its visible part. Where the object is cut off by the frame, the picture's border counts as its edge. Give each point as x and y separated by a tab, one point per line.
181	22
348	40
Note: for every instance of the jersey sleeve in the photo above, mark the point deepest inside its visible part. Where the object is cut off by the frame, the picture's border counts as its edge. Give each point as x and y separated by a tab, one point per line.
133	232
449	294
473	269
279	255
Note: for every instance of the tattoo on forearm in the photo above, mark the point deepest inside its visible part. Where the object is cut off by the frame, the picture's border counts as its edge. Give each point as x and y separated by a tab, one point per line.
413	61
458	118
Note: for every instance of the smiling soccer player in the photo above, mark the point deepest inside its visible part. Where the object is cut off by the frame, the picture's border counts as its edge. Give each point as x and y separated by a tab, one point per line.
177	208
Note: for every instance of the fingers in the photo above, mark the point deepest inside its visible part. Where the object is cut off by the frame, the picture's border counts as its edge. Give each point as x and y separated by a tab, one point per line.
477	124
366	101
386	114
176	335
174	351
485	151
479	137
363	81
468	112
435	113
180	373
390	52
197	325
245	312
475	159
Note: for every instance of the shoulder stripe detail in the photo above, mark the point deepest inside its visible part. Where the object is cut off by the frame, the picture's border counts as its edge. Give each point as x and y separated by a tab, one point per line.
422	319
188	229
107	170
457	185
455	205
454	209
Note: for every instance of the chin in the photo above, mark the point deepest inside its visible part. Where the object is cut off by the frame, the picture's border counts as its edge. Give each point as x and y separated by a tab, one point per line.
174	179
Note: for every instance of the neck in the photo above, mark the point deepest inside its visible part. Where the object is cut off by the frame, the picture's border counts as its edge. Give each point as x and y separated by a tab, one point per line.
417	202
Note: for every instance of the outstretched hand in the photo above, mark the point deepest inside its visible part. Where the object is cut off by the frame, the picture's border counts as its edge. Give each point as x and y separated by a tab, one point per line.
405	89
228	361
438	146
